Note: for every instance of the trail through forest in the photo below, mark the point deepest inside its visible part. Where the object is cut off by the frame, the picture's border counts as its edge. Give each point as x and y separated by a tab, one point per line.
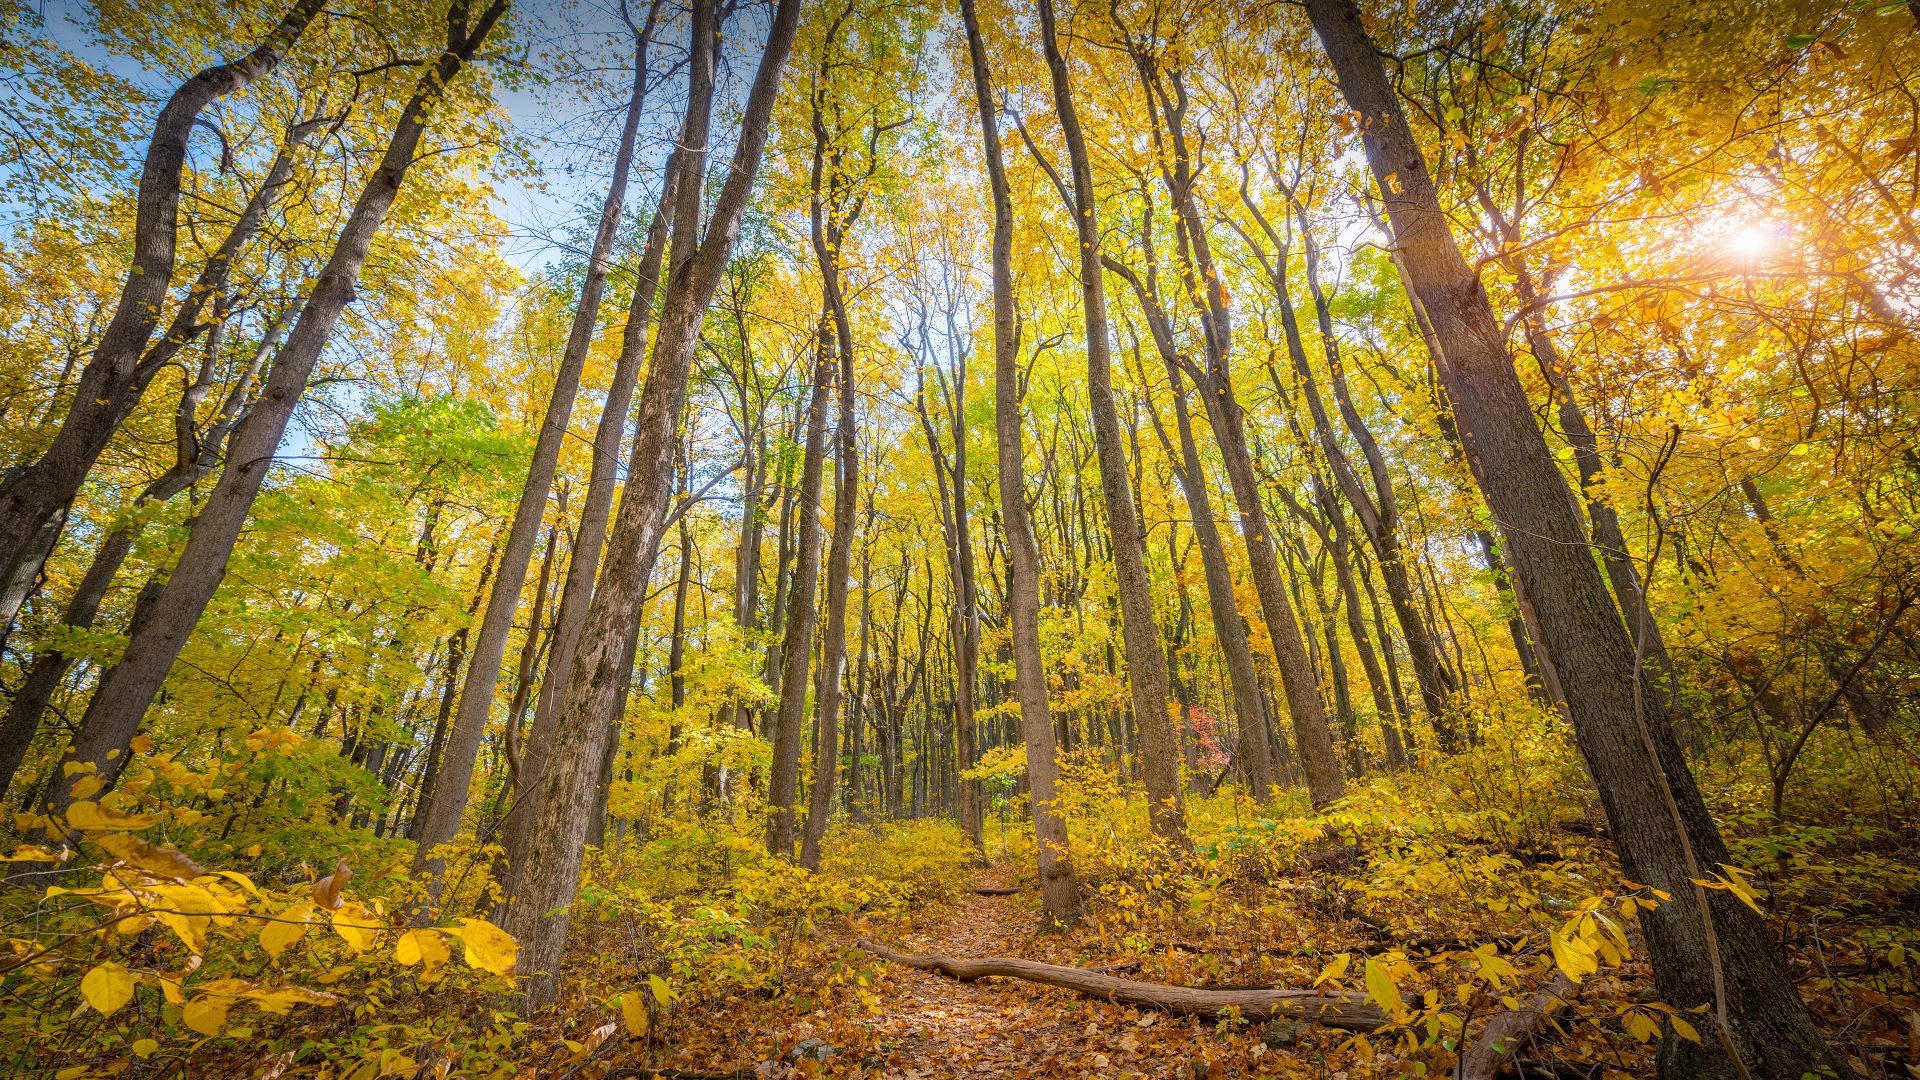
922	1025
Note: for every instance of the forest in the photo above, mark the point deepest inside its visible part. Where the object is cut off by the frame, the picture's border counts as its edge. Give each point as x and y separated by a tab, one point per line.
746	539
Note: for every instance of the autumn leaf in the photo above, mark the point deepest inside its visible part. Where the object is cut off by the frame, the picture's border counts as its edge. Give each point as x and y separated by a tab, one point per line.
153	858
107	987
207	1014
489	948
357	925
92	817
326	891
424	947
286	928
633	1009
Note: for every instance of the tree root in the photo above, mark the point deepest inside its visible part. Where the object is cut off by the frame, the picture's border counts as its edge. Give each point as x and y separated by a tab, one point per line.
1346	1011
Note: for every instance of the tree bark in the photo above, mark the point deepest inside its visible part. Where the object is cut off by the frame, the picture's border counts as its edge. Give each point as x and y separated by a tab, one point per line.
196	453
1060	899
552	876
126	690
1707	947
576	590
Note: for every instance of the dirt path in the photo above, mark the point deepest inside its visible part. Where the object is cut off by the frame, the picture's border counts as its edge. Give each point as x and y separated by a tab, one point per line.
933	1026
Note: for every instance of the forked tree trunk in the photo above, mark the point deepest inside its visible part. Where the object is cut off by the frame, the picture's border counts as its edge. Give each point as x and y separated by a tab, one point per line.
196	454
114	378
1058	894
496	625
1146	662
551	876
128	688
1708	948
796	652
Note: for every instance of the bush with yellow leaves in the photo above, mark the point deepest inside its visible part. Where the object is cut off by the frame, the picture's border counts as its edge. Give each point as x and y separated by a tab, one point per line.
126	954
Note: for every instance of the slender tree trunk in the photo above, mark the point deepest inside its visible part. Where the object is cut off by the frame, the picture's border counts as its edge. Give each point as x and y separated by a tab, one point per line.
196	453
1146	663
576	592
1707	947
128	688
783	783
552	876
490	642
828	696
1057	892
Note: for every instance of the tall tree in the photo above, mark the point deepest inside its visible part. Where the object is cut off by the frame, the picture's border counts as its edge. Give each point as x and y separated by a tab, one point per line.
552	875
450	787
1146	661
1058	895
127	689
1708	948
33	501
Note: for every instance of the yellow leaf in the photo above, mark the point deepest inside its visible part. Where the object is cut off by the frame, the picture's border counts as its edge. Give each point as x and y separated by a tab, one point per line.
153	858
107	987
73	1072
93	817
1574	956
1684	1029
145	1048
424	947
1641	1026
661	992
357	925
633	1009
1335	969
489	948
286	928
141	744
1381	988
88	786
207	1015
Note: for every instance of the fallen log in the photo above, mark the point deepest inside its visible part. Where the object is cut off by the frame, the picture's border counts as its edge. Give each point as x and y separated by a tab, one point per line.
1346	1011
1500	1041
997	890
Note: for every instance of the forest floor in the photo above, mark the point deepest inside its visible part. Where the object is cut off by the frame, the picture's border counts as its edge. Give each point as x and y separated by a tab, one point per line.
920	1025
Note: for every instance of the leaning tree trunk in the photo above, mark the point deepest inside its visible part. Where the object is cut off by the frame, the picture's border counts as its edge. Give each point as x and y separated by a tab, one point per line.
1202	285
128	688
196	453
113	380
1146	662
576	590
1058	895
490	643
1255	757
540	917
1708	948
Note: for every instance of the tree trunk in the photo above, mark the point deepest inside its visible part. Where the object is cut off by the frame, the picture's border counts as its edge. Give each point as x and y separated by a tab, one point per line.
1146	663
196	453
552	875
1058	895
576	592
490	642
1707	947
128	688
783	784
